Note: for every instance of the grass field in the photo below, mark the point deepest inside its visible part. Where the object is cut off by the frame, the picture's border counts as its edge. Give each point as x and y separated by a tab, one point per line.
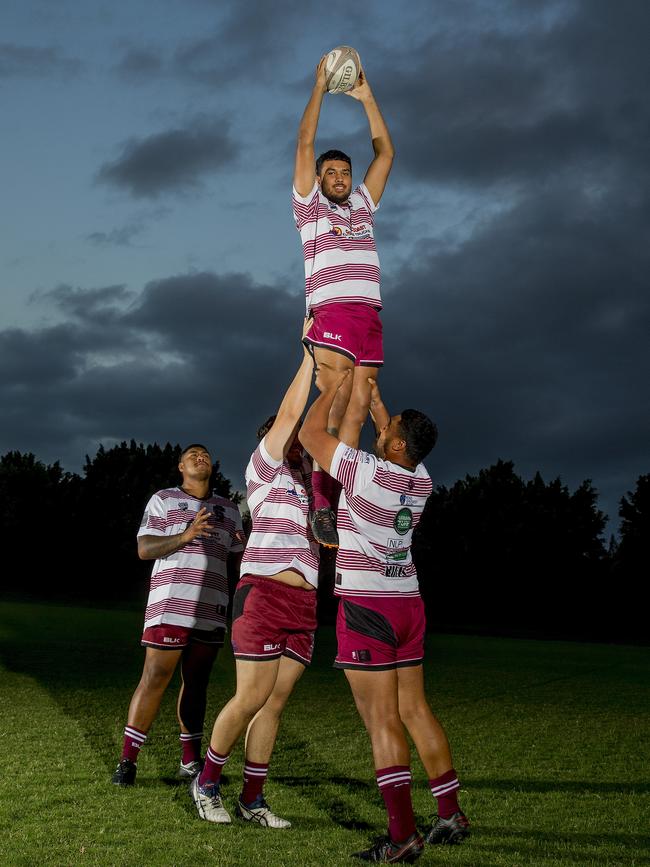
550	739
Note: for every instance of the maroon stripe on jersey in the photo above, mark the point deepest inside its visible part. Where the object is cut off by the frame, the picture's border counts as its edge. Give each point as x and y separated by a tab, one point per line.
264	471
370	512
281	526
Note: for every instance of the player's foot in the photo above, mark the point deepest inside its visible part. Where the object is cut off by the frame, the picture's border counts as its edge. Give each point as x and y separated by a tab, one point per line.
260	813
388	852
207	800
124	773
187	771
452	830
323	526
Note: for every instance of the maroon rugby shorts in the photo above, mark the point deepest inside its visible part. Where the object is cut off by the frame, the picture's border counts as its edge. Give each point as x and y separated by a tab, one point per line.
167	636
354	330
376	634
271	619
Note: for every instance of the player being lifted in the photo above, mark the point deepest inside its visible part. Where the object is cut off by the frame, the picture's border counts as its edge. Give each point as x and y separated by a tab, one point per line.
341	268
274	611
380	624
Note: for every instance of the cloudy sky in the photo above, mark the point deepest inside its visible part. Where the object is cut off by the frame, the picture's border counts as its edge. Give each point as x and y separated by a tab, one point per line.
150	272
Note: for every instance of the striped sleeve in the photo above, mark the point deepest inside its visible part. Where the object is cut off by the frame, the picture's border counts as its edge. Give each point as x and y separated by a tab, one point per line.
154	520
262	468
364	192
238	542
353	468
305	208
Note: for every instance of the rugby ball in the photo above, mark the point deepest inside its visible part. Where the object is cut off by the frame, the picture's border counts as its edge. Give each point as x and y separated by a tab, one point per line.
342	69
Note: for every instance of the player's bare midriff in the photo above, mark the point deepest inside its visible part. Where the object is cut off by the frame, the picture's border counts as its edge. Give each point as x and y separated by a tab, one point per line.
295	579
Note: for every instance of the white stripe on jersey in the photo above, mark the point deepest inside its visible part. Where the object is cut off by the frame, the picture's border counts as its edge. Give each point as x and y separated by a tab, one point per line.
380	506
278	498
190	587
338	246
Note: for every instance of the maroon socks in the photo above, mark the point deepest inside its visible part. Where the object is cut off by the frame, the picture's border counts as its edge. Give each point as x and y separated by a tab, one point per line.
211	773
133	742
191	747
255	775
395	787
444	789
325	491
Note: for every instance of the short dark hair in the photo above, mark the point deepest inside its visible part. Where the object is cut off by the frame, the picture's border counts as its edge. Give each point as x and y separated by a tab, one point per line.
332	155
418	432
266	427
194	446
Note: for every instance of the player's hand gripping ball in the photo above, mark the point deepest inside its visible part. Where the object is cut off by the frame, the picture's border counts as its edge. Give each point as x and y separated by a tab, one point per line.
342	69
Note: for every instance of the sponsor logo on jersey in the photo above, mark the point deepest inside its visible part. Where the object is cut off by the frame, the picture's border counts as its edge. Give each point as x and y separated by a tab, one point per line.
395	571
331	336
301	493
407	501
396	550
183	506
403	521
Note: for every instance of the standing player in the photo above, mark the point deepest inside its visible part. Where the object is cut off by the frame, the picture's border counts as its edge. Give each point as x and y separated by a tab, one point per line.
274	611
196	539
381	624
341	267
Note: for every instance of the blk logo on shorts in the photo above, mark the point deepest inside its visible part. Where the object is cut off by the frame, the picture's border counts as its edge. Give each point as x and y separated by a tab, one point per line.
361	655
331	336
168	640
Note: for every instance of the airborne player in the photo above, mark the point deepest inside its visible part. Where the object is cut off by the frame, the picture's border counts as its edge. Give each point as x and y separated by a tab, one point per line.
341	268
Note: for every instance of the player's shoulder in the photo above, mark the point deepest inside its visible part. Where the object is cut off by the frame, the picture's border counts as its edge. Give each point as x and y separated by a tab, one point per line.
222	502
168	493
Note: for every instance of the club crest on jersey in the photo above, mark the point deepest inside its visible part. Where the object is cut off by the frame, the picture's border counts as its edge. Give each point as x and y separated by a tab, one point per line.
403	521
407	501
301	493
411	484
183	506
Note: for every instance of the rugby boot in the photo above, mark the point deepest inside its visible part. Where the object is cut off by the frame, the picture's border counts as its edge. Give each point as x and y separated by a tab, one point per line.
385	851
125	773
259	813
323	526
452	830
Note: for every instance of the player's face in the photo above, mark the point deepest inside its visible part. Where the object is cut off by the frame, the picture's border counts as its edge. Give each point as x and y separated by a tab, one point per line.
386	436
336	181
196	463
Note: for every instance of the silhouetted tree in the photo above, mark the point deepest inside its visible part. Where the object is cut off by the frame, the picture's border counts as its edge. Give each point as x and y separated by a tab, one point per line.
495	551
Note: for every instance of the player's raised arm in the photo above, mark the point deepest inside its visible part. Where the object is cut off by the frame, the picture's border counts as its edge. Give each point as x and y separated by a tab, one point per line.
382	144
305	170
281	435
313	434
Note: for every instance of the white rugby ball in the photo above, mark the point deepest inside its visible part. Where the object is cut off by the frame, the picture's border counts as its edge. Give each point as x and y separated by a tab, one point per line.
342	68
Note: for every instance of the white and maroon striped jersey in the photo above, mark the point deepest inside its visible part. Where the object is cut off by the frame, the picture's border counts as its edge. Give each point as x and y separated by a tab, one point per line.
278	499
338	245
190	587
380	506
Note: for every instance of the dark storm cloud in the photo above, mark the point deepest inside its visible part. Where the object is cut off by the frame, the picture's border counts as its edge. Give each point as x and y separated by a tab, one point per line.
28	61
475	104
195	356
535	334
172	161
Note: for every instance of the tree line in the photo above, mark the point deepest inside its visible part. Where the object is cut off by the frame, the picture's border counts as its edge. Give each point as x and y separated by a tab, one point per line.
495	553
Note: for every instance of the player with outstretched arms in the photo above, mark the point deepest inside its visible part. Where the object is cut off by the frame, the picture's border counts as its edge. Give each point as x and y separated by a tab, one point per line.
274	611
381	622
341	267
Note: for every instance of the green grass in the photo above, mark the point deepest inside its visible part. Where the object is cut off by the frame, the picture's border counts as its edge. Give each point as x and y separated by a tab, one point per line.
550	739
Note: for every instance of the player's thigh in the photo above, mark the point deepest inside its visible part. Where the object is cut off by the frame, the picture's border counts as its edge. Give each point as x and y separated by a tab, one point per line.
289	673
197	661
329	362
410	686
255	681
159	666
375	695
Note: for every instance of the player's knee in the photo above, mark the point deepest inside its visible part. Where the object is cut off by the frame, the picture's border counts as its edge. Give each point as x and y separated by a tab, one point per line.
156	677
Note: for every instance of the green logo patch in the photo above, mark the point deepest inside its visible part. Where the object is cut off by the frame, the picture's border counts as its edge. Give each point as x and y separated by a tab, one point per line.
403	521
